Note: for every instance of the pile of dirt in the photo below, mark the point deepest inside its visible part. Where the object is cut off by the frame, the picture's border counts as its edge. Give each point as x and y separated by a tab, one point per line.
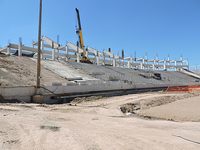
16	71
184	110
21	71
85	99
155	108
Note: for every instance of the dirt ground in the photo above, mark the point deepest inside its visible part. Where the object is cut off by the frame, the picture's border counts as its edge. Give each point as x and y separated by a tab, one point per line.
97	124
183	110
21	71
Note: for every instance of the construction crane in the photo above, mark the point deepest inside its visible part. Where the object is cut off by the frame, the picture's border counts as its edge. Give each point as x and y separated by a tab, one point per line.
84	58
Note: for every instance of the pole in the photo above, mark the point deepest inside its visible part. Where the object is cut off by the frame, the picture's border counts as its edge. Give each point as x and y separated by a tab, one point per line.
39	47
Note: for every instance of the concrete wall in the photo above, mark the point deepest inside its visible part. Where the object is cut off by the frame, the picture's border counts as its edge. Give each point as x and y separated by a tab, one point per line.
19	93
24	94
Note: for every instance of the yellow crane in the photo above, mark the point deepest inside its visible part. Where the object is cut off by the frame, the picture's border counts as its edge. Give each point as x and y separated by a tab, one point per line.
84	58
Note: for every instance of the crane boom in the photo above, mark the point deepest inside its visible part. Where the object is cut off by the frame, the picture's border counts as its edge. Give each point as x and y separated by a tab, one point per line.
84	58
79	30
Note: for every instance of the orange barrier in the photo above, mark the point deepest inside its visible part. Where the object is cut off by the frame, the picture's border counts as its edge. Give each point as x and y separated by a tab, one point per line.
190	88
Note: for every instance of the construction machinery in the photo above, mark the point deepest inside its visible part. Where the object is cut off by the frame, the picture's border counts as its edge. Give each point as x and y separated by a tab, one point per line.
84	58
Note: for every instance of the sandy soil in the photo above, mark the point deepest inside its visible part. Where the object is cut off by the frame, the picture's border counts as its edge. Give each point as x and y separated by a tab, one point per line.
21	71
183	110
92	125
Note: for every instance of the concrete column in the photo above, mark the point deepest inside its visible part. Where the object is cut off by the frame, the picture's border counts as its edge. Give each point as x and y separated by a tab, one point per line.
153	67
143	62
129	64
164	66
175	65
181	64
66	53
8	50
119	63
154	62
104	61
77	57
111	60
187	63
97	58
20	47
114	62
53	54
168	61
86	53
141	65
57	54
116	65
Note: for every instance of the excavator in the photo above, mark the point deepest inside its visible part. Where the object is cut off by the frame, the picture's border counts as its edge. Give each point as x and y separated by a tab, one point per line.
84	58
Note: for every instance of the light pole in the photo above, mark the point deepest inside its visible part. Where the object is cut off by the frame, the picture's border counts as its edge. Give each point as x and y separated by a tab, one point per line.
39	47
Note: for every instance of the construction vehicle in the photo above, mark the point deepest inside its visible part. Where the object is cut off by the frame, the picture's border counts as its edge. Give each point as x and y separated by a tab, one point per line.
80	44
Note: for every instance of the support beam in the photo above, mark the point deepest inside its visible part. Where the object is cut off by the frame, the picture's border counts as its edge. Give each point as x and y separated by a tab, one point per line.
53	54
114	62
97	59
20	47
8	50
66	53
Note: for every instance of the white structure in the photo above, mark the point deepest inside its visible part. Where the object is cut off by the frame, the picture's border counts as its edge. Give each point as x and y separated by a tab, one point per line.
70	52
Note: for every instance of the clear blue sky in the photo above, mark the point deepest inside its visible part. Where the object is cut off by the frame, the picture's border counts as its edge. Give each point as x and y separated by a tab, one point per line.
145	26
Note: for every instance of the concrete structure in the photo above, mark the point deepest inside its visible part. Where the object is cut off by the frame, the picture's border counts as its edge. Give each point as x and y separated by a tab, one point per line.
70	52
86	78
107	73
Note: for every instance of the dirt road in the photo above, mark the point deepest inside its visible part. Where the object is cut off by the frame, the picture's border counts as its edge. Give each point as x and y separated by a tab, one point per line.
92	125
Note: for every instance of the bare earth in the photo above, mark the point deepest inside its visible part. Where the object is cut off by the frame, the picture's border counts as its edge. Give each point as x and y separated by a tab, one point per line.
21	71
184	110
98	124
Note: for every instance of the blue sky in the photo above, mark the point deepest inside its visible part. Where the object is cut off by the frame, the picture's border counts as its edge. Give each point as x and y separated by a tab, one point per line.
143	26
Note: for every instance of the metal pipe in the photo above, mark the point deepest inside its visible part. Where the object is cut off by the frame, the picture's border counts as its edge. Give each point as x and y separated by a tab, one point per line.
39	47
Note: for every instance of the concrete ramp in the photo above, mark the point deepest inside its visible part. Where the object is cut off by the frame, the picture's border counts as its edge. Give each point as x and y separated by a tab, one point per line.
190	73
66	71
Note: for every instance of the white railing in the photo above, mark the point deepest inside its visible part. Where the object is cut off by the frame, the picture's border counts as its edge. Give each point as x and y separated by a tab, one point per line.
70	52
